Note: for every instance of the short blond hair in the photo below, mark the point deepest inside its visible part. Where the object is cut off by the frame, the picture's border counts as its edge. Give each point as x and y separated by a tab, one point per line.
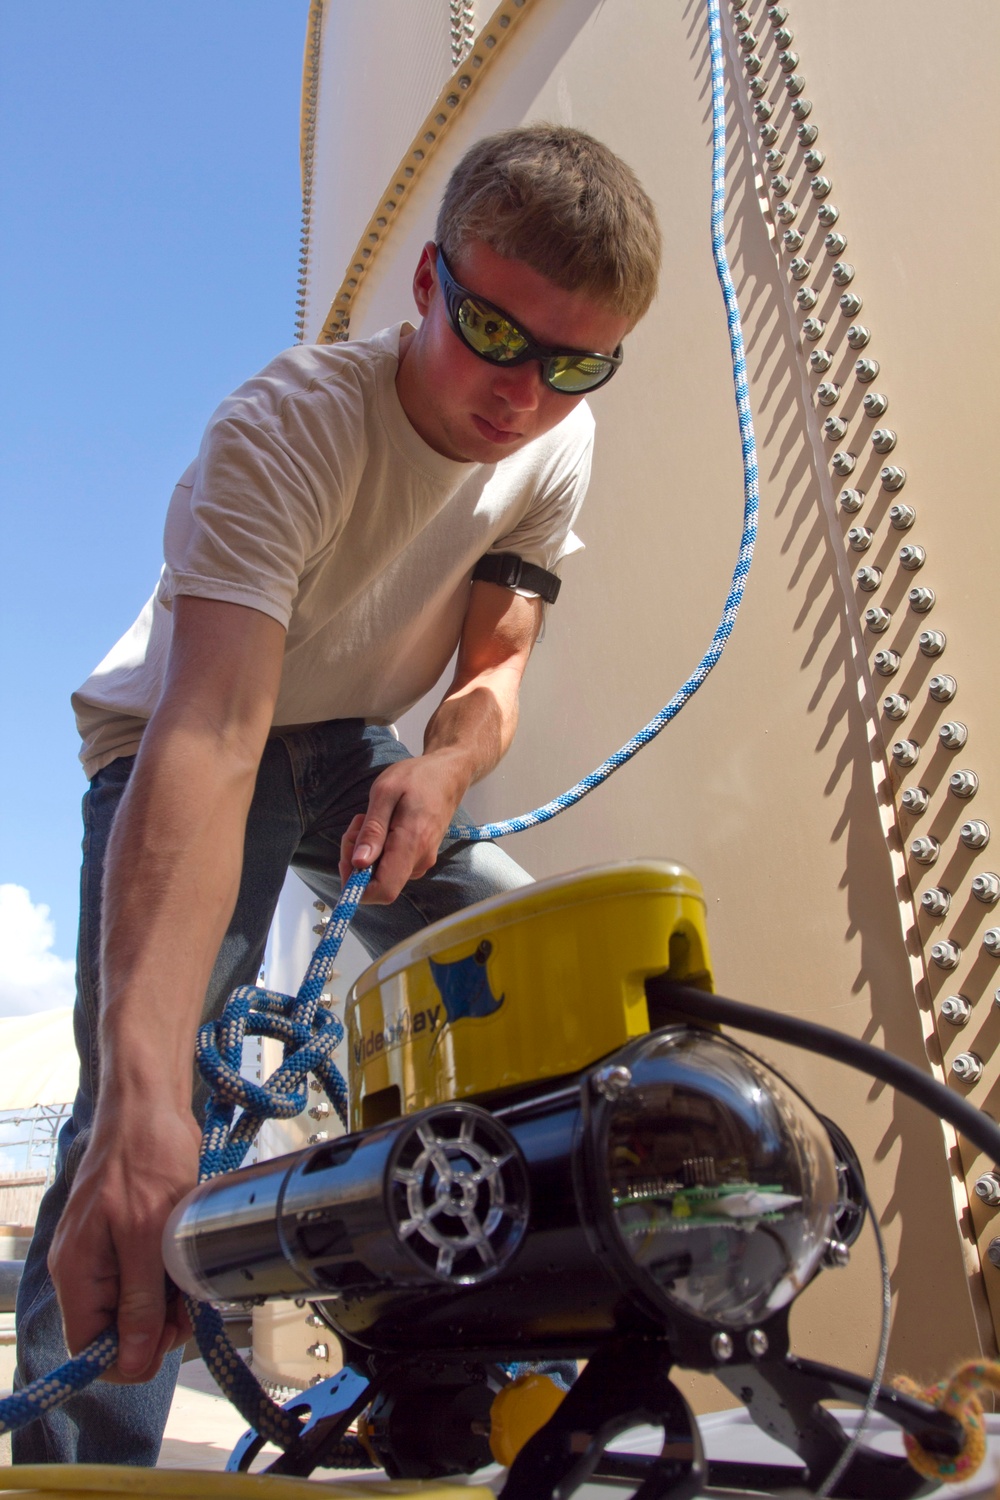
563	203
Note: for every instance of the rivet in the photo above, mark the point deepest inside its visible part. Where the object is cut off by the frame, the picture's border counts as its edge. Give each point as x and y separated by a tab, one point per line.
757	87
742	20
936	901
925	850
868	579
835	242
837	1255
875	404
828	394
850	303
319	905
834	429
783	36
887	664
814	160
860	538
915	799
975	834
777	14
806	133
722	1346
964	784
892	478
820	187
986	888
768	135
785	212
968	1068
858	336
953	735
851	500
788	61
843	463
932	642
780	186
752	63
901	517
912	557
877	620
921	600
775	159
806	297
799	268
883	440
956	1010
988	1188
946	954
820	360
843	272
794	83
991	940
800	108
319	928
896	706
813	329
757	1343
828	214
792	239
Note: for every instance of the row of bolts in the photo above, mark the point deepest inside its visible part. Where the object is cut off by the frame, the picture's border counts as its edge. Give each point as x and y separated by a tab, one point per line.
974	834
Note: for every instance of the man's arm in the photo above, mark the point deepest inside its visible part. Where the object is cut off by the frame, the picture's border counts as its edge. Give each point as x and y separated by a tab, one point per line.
171	879
412	802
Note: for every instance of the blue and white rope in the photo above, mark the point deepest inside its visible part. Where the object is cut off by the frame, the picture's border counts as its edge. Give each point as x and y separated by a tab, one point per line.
750	490
308	1032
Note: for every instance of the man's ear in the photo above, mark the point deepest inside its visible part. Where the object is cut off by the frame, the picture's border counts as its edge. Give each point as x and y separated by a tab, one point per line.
425	278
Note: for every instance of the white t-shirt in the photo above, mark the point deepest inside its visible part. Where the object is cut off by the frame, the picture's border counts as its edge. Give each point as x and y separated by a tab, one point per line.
314	500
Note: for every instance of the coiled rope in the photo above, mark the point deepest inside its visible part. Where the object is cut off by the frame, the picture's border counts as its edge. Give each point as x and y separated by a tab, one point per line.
309	1034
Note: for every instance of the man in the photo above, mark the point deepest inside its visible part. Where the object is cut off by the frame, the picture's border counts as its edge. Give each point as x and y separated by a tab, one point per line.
327	551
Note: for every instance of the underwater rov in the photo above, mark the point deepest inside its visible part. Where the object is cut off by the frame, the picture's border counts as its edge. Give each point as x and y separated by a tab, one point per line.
546	1164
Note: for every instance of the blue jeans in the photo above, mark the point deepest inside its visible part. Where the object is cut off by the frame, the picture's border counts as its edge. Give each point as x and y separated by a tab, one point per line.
310	785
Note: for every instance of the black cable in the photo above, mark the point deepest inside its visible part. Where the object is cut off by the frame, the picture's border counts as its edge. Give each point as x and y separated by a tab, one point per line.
696	1005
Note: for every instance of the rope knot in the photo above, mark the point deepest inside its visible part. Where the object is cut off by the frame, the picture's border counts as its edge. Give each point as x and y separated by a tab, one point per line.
958	1398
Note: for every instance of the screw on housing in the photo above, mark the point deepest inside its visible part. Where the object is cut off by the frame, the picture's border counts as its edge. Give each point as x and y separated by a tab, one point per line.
986	888
946	954
875	404
925	850
843	463
858	336
932	642
887	663
865	370
896	706
968	1067
921	600
915	800
868	579
975	834
956	1010
963	784
906	752
953	735
936	901
877	620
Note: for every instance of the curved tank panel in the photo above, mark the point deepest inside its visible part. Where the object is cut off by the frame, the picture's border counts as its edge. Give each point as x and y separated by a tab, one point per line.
778	784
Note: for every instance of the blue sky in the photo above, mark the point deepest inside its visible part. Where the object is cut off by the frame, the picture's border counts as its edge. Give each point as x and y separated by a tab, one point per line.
150	202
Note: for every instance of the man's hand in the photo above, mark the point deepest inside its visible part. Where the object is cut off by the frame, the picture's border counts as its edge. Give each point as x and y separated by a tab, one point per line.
412	803
409	809
105	1259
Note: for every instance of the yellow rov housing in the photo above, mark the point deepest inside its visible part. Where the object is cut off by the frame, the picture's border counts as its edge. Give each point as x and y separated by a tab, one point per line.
533	984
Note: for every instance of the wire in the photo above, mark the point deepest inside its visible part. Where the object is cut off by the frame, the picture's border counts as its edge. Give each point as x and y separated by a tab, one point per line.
878	1374
698	1005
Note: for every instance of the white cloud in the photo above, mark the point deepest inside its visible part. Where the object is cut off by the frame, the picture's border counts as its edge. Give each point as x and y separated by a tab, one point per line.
32	977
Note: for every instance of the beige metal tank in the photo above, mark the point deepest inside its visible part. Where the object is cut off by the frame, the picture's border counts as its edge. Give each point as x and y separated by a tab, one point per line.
782	783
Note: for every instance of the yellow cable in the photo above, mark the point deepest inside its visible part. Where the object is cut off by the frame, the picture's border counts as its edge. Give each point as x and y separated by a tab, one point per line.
958	1398
70	1481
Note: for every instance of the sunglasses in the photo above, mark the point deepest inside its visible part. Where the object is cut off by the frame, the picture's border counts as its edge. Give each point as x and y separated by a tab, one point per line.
492	334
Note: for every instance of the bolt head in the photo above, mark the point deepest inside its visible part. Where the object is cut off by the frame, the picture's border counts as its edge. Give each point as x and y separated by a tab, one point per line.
837	1254
858	336
757	1343
722	1346
993	1252
612	1081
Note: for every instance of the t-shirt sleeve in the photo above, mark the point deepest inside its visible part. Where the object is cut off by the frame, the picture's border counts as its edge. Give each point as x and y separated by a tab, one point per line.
544	535
262	500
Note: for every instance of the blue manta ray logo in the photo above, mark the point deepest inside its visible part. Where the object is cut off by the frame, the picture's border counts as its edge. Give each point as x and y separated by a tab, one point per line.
464	986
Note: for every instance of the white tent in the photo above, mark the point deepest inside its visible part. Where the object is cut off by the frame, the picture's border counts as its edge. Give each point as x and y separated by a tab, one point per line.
38	1063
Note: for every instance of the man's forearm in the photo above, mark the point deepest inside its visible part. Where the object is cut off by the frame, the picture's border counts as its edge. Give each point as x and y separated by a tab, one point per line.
476	723
171	881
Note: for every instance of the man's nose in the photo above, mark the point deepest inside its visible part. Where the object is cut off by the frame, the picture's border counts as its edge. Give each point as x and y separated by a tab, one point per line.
520	386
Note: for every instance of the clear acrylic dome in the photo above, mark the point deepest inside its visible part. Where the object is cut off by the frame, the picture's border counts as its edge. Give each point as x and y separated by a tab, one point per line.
723	1181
